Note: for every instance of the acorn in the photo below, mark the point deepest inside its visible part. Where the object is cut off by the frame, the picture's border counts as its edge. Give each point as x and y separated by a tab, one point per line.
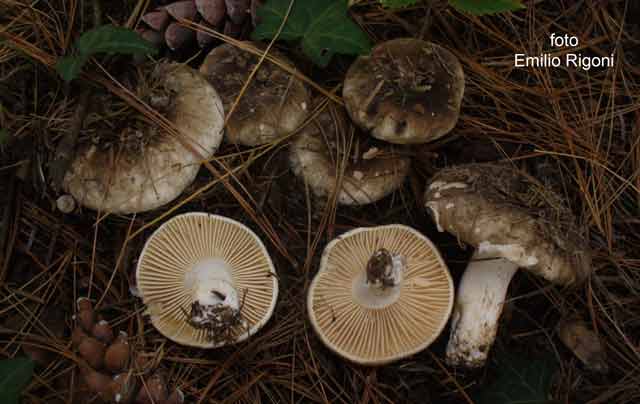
102	331
177	397
153	390
123	387
116	357
92	351
97	382
77	336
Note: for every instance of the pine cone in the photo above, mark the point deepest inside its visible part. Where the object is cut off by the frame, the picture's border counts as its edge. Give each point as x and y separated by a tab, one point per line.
228	16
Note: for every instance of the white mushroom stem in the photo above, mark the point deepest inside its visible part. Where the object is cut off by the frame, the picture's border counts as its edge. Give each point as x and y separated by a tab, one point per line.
212	295
479	302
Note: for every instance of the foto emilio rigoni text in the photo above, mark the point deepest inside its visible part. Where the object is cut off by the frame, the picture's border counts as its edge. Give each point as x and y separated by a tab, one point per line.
571	59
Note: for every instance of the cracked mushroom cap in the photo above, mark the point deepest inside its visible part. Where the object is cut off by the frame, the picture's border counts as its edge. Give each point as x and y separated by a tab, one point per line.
406	91
196	249
138	180
365	328
275	102
373	170
505	212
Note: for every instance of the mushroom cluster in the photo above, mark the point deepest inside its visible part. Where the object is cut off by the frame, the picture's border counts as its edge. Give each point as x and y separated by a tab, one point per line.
513	222
105	363
406	91
159	168
322	152
207	280
381	294
273	104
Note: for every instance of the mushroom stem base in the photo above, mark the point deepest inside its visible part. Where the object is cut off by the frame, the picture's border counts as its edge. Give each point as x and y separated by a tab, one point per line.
479	302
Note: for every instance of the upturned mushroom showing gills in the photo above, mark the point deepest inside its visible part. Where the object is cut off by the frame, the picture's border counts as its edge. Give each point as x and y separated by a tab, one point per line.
513	222
149	168
324	149
275	102
206	280
406	91
381	294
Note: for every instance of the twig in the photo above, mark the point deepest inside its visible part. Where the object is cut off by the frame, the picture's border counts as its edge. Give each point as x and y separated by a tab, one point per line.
66	148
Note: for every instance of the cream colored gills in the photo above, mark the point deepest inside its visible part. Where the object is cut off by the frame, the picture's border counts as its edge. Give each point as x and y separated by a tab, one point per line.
381	294
145	180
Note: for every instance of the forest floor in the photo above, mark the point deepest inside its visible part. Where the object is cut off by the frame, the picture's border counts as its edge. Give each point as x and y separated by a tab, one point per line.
577	131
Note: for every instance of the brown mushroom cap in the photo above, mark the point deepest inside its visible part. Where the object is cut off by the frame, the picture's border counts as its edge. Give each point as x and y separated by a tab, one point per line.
140	180
192	249
499	209
372	170
409	321
406	91
274	104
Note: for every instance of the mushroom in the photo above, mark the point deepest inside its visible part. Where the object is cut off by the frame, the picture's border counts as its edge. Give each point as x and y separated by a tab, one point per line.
322	150
513	222
159	168
275	102
207	280
406	91
381	294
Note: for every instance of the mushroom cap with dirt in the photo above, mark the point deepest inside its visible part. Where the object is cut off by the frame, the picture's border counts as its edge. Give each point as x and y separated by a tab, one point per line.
147	177
322	149
381	294
406	91
274	103
513	222
207	280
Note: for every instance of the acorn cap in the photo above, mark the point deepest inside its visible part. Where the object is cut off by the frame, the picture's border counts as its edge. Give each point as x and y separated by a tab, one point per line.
213	11
92	351
153	390
237	10
502	210
176	36
124	388
77	336
370	326
406	91
203	38
97	382
190	252
157	20
182	9
275	103
148	180
116	356
318	151
103	332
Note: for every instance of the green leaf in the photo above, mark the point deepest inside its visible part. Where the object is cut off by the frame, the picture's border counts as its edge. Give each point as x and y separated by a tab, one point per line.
322	26
520	380
112	39
106	38
69	67
4	135
15	375
397	3
480	7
